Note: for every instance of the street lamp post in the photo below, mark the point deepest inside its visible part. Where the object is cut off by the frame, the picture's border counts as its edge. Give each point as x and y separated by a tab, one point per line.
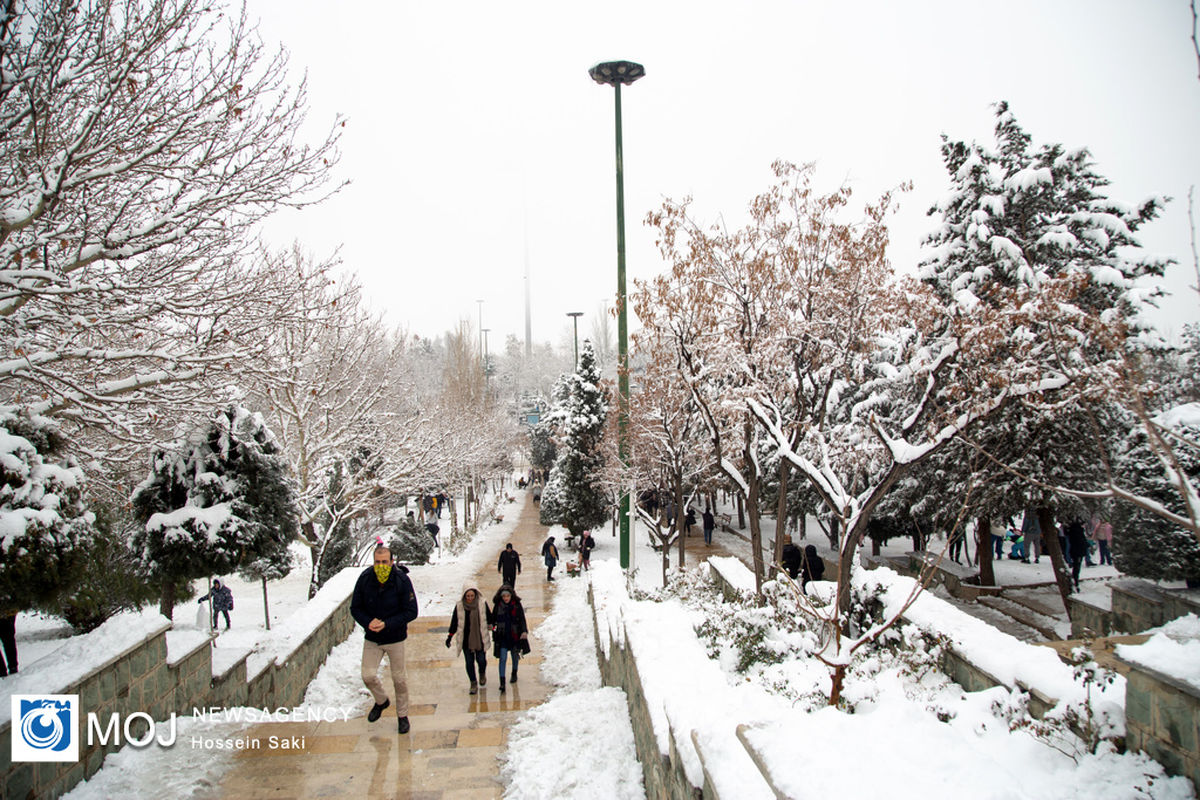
575	315
616	73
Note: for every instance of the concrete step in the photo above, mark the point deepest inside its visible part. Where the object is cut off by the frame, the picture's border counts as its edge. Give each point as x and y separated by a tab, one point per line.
996	618
1046	626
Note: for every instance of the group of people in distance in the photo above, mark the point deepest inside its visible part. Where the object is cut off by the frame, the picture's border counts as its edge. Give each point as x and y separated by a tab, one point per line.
803	566
1078	540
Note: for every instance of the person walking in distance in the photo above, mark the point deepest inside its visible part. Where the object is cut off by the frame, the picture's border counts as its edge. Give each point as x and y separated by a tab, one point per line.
474	637
550	557
509	565
509	631
710	522
586	545
384	602
221	600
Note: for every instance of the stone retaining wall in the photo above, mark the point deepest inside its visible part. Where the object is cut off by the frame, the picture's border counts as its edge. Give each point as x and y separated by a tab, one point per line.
142	679
663	776
1162	719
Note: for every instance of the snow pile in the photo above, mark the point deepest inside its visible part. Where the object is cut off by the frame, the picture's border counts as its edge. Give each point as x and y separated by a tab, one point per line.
283	640
81	656
686	693
583	729
179	771
1174	650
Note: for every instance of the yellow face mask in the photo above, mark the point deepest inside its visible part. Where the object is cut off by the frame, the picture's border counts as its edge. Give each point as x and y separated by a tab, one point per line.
382	571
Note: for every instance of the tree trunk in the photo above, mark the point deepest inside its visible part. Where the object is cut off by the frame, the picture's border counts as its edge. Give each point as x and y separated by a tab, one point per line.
835	691
918	537
983	549
1062	575
876	547
846	556
780	516
453	514
166	603
755	534
266	607
741	511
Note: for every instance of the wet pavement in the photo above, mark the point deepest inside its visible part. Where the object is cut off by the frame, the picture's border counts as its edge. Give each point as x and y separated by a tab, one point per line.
452	748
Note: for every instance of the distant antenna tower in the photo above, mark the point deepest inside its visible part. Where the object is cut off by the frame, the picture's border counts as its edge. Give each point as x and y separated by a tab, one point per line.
528	324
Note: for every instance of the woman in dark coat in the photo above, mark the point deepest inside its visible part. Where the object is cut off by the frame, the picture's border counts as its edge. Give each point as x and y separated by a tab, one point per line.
510	634
813	568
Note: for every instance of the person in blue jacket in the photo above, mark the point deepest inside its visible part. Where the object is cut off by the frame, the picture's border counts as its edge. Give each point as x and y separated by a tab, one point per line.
384	602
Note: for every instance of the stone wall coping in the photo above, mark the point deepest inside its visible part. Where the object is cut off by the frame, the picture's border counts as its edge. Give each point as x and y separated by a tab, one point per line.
1094	602
183	643
226	659
947	565
1138	588
291	634
1162	677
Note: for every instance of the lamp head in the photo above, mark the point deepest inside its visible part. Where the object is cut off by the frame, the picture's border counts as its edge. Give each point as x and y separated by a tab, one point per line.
617	72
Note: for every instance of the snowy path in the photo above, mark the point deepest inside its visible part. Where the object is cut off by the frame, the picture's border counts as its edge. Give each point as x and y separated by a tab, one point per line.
458	741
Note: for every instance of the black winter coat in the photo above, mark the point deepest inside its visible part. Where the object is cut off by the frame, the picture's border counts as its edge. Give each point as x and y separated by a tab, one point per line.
509	563
394	601
509	623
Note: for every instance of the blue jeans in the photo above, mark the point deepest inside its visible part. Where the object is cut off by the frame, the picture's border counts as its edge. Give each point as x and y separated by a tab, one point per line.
708	535
516	657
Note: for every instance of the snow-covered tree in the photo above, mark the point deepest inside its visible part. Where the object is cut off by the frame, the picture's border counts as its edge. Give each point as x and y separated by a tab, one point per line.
44	522
1145	543
213	502
143	142
574	496
670	449
1022	223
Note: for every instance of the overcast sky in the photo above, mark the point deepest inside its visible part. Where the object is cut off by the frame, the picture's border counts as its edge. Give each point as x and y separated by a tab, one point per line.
476	140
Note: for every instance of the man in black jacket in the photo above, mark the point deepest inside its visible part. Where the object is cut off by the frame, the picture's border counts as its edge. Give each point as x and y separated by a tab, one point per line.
384	603
509	565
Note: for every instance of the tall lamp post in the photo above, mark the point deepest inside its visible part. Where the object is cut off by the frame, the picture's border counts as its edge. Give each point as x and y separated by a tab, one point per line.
575	315
616	73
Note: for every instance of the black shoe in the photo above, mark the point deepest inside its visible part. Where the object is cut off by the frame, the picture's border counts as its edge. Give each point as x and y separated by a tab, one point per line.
474	688
513	679
482	679
404	725
377	709
501	684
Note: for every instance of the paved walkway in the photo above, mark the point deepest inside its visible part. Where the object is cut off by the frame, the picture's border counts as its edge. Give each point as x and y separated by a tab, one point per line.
452	749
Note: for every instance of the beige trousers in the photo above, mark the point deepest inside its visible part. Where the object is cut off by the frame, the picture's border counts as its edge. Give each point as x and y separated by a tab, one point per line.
371	658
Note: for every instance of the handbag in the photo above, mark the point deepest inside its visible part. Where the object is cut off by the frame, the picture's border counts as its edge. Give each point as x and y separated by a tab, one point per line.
524	647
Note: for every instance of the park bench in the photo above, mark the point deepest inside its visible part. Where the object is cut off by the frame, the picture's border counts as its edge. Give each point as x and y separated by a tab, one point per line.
725	522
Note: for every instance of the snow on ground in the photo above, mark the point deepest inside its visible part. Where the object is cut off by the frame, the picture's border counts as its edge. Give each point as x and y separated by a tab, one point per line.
583	729
979	744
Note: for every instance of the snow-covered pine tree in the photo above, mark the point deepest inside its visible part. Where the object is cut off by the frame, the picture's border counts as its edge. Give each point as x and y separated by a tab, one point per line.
337	546
541	446
1145	544
574	496
1029	234
213	502
43	519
